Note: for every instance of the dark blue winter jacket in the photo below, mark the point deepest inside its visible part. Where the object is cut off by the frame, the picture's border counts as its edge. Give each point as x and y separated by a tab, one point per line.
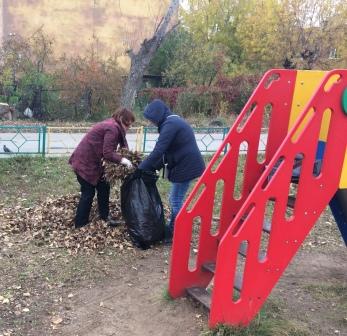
176	145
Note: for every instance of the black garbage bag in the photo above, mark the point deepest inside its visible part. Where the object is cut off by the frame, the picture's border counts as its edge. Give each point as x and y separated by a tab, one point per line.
142	208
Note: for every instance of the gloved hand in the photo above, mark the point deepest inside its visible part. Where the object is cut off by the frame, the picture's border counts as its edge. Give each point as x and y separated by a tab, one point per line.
126	163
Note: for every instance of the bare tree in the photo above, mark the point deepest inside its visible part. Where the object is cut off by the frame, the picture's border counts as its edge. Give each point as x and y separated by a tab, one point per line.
141	59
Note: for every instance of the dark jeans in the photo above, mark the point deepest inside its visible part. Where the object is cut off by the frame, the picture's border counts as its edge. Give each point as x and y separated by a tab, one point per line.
176	198
86	200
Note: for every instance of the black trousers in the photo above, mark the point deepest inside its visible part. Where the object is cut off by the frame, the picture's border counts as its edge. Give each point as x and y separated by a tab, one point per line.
86	200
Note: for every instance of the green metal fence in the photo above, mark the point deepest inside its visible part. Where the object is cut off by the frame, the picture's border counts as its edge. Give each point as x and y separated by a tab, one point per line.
40	139
208	138
23	139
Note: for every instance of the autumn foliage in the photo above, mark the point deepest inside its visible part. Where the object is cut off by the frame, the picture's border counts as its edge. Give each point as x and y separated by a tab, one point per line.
225	96
90	87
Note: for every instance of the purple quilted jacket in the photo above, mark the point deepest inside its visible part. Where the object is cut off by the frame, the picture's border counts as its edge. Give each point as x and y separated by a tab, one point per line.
100	142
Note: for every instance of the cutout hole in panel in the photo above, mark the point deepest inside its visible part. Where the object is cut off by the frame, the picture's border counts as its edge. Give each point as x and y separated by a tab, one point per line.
275	168
239	272
293	187
194	243
265	237
264	131
317	167
219	159
289	214
334	79
195	197
246	116
218	197
299	130
261	156
271	79
246	214
264	244
226	148
240	173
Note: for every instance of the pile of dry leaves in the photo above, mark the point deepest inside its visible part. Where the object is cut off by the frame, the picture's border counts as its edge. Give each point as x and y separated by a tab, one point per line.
52	221
114	173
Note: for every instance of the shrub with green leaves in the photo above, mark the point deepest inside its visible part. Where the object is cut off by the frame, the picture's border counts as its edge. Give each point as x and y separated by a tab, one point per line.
194	103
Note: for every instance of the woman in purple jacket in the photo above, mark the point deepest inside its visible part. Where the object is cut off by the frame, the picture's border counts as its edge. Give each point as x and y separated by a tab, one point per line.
101	142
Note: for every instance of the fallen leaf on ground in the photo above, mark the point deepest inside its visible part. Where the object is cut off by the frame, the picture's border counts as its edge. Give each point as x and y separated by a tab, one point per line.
57	320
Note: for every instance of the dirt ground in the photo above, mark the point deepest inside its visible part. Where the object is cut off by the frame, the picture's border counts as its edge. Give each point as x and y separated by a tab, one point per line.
133	302
109	309
45	291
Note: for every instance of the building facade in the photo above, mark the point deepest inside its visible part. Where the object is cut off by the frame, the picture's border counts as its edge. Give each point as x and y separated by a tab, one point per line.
109	26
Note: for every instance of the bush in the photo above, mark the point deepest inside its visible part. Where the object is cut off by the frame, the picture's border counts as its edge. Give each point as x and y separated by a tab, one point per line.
169	96
194	103
77	88
91	87
237	90
227	96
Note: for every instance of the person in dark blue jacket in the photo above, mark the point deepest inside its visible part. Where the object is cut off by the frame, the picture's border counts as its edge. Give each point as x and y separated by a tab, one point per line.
177	151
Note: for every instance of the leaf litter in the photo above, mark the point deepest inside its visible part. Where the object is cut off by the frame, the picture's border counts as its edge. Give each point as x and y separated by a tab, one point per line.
52	221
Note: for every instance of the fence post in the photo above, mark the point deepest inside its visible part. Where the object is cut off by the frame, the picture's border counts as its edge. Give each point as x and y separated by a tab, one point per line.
139	139
44	131
225	131
144	139
39	141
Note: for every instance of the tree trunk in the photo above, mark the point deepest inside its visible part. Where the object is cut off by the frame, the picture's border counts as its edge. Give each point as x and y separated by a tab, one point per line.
141	60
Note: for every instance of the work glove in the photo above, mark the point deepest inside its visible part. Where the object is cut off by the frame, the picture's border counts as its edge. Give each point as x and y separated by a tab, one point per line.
127	163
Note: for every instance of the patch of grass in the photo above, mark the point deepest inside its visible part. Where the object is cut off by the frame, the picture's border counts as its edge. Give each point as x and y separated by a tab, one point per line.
164	185
164	189
67	269
26	180
166	295
335	297
35	266
269	322
338	290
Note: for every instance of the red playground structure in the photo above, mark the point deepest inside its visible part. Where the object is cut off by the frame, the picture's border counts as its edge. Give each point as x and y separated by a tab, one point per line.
251	210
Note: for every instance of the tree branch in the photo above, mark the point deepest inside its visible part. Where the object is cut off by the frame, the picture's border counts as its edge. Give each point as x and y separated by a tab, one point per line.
141	60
